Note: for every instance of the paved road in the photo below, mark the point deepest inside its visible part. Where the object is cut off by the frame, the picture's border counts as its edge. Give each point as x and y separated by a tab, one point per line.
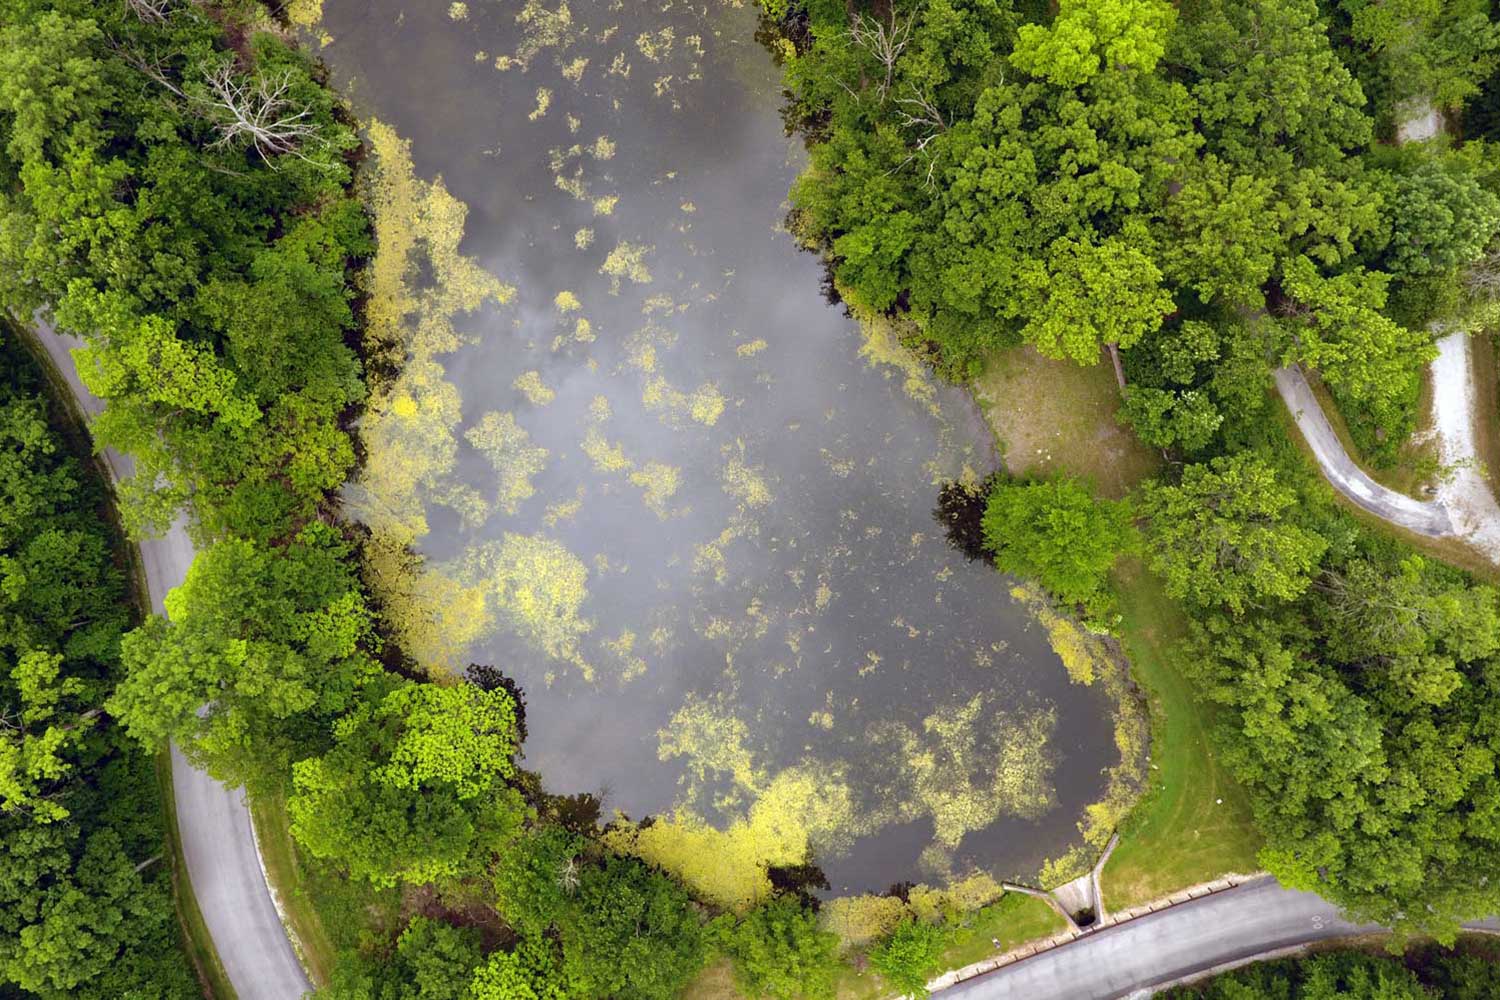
1425	518
1132	958
212	821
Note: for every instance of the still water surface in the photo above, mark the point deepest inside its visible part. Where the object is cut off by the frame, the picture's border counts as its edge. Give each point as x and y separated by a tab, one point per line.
707	510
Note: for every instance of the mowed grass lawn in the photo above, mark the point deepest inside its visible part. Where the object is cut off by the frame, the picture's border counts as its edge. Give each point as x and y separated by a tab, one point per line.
1193	825
1059	417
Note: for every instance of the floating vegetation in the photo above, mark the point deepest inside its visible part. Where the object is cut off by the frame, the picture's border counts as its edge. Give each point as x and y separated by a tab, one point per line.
623	649
606	206
802	809
458	11
574	71
566	302
543	102
543	28
508	447
703	405
627	261
537	589
564	510
751	349
583	331
603	148
712	742
965	775
745	484
658	483
533	388
1087	657
583	239
432	615
606	457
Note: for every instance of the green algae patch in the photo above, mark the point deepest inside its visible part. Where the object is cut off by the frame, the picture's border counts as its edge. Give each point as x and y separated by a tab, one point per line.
965	775
712	742
1089	657
537	588
508	447
658	483
530	385
626	262
800	810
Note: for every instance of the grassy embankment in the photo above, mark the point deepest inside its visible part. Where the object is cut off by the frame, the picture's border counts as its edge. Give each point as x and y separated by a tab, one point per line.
1194	823
71	424
324	912
1012	920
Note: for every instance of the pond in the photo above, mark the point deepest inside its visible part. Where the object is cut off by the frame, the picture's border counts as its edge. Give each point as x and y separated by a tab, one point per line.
648	471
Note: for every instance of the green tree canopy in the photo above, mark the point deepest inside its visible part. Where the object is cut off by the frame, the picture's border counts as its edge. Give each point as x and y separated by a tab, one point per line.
415	787
1060	535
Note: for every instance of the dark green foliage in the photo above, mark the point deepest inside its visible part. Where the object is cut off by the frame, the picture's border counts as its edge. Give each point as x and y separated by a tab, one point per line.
431	961
909	957
205	270
85	898
1059	534
779	952
1353	975
629	931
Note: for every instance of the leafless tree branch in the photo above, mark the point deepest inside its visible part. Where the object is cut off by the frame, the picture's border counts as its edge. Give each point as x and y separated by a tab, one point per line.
885	42
256	110
150	11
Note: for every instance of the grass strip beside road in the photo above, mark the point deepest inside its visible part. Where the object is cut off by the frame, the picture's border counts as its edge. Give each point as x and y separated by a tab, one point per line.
197	940
278	852
1193	824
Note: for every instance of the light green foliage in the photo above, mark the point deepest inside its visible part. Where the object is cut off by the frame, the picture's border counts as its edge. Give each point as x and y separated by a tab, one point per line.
415	786
528	971
269	640
1085	296
907	958
780	952
1222	536
1058	534
1088	37
1336	326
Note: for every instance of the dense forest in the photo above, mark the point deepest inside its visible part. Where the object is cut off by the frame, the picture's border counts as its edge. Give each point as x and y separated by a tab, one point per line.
1424	975
85	889
1192	194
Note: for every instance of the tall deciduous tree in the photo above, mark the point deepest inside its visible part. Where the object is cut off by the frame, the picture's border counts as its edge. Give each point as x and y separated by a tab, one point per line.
415	787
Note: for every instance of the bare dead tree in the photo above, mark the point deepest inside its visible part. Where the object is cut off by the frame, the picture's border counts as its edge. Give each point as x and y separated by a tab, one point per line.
920	112
884	41
150	11
1482	279
257	110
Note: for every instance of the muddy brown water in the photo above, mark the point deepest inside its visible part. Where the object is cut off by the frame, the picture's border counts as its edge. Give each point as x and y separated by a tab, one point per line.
792	590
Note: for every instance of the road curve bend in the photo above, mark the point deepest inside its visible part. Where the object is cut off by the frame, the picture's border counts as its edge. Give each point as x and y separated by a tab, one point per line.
1424	517
213	822
1135	957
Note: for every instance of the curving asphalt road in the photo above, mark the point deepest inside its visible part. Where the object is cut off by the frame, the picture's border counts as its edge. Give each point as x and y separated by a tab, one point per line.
213	822
1426	518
